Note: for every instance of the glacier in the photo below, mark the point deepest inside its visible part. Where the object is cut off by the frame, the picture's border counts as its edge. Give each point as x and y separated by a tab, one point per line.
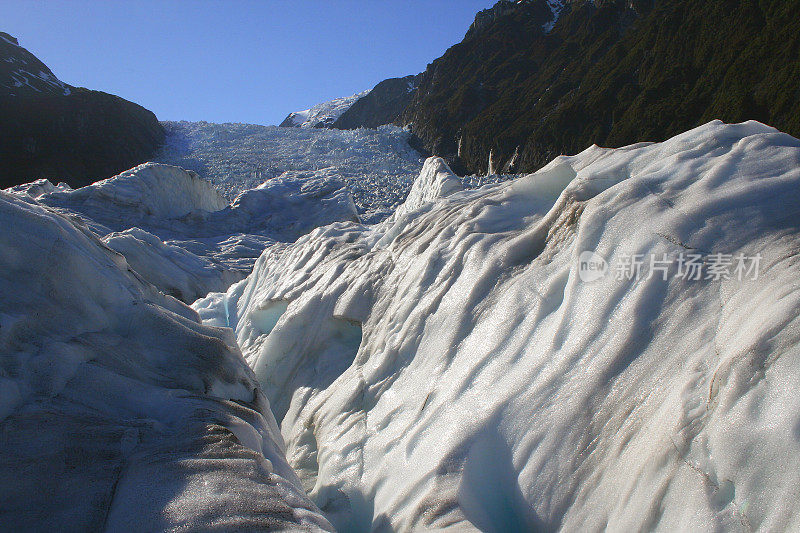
446	364
449	369
119	410
181	234
378	165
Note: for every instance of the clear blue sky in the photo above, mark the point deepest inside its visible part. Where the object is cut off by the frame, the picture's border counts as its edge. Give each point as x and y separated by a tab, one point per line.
238	60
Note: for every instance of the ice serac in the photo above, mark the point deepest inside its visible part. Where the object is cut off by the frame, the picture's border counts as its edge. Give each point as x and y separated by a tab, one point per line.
146	194
119	411
455	372
180	234
378	165
173	269
435	181
38	188
288	206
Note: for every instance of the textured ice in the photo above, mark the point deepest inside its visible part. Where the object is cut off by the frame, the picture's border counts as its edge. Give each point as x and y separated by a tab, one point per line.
144	196
180	234
378	166
448	369
174	270
435	181
37	188
119	411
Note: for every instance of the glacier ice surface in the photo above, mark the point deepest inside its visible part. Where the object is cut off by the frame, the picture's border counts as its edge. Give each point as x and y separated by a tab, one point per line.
377	165
119	410
177	231
448	369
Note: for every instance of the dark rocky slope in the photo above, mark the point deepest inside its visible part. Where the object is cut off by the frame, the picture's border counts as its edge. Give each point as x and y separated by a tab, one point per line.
610	72
49	129
380	106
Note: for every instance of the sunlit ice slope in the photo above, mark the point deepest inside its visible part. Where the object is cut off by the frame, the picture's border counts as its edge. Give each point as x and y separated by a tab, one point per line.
532	355
180	234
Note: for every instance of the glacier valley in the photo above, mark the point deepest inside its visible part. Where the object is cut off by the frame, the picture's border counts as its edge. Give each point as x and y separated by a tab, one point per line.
306	329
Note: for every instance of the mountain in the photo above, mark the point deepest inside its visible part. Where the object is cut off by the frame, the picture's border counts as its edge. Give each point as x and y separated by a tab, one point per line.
487	17
22	74
49	129
321	115
380	105
533	79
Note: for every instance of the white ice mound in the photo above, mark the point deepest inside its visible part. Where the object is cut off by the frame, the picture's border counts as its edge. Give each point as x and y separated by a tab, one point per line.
172	269
38	188
435	181
181	235
119	411
453	369
151	191
176	204
284	208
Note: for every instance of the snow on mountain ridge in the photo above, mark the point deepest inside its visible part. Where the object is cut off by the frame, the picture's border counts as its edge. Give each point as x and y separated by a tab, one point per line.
456	371
556	6
323	114
21	73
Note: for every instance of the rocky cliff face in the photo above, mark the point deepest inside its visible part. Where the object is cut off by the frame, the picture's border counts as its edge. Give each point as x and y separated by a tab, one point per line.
487	17
49	129
379	106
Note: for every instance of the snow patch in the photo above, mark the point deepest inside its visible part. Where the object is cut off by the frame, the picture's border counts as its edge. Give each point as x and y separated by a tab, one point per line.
29	72
556	7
